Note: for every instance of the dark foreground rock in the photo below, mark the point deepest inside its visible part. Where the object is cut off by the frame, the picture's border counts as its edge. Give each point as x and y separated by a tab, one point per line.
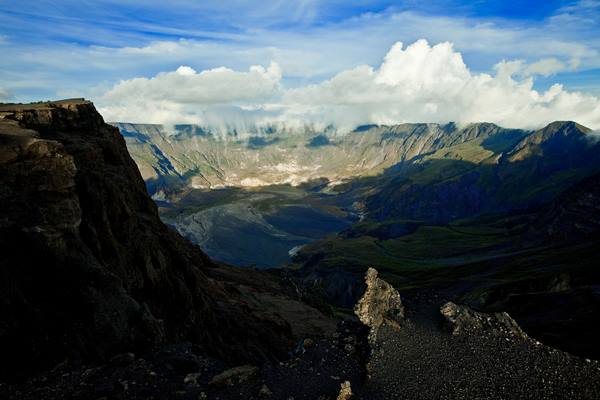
444	350
183	372
419	360
88	270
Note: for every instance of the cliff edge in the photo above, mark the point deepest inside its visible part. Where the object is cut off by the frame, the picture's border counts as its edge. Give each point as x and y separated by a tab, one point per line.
88	270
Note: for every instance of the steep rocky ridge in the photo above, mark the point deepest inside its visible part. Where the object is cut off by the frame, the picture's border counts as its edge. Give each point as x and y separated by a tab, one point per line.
88	269
506	171
419	171
192	156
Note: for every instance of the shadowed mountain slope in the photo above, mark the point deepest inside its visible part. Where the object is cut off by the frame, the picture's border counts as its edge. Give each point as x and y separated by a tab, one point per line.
87	269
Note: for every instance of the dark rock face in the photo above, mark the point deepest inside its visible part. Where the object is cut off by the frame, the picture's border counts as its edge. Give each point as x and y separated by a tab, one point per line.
88	270
440	203
574	215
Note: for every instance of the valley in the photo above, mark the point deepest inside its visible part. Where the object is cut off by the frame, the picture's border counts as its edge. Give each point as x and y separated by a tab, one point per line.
432	207
255	227
260	198
302	200
462	258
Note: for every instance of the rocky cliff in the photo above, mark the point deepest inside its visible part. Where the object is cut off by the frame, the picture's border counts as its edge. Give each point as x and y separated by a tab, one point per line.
87	269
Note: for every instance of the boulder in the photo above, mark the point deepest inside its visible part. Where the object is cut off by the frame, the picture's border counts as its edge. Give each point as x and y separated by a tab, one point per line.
264	391
380	304
345	391
462	320
234	375
192	379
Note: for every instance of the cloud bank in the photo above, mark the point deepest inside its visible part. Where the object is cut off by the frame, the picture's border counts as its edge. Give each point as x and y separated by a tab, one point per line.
416	83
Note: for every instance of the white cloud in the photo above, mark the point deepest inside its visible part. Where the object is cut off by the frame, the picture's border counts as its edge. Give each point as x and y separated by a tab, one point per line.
551	66
544	67
307	54
5	94
418	83
423	83
185	95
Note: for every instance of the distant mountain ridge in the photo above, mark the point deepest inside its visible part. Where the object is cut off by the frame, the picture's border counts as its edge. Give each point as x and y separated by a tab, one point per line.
193	156
280	184
427	154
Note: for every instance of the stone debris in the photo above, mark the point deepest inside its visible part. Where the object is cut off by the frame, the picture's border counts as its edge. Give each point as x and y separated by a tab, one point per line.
122	359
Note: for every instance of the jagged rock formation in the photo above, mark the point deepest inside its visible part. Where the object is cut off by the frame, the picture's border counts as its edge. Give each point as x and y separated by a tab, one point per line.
462	320
379	308
345	391
88	270
379	305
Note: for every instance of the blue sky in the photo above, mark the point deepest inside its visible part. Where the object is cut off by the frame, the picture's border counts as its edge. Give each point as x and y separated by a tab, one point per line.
53	49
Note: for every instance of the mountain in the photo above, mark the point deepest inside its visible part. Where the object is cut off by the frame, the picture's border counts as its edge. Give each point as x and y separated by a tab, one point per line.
100	299
490	175
504	219
281	190
196	157
88	270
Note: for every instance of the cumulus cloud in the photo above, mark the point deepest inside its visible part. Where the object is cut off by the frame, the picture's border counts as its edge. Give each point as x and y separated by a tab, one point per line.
544	67
417	83
551	66
185	95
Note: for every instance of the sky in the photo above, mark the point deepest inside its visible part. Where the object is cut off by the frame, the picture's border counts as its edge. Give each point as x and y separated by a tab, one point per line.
338	63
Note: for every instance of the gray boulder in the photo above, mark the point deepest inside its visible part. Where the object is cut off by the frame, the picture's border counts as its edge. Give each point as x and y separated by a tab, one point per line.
461	319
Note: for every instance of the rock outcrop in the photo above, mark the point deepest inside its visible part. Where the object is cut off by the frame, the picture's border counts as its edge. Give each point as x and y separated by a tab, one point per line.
462	320
345	391
379	305
88	270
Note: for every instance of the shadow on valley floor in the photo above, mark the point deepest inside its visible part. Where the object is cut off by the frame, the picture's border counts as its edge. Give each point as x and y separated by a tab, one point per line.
261	227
